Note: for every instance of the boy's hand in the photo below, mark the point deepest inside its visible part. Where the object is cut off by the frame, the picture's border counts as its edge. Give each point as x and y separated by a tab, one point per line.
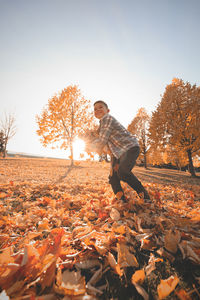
89	136
91	143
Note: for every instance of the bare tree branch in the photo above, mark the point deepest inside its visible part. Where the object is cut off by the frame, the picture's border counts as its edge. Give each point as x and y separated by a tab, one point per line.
8	128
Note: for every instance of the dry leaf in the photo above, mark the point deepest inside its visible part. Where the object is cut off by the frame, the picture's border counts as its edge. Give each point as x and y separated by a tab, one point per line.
141	291
114	265
138	277
89	228
70	283
125	258
3	296
152	264
172	239
167	286
182	295
114	214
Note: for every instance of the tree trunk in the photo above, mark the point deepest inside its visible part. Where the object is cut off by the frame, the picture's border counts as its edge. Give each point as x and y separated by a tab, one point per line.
4	150
72	137
145	156
191	167
72	154
145	160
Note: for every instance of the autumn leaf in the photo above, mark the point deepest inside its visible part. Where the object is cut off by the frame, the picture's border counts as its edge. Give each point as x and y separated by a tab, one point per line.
70	283
114	214
172	239
183	295
167	286
75	226
125	257
138	277
4	296
3	195
66	116
114	265
48	272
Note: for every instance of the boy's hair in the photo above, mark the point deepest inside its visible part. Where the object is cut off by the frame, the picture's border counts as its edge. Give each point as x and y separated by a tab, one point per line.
101	101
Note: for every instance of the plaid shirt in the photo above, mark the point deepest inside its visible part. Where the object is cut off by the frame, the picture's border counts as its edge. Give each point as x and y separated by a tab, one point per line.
115	136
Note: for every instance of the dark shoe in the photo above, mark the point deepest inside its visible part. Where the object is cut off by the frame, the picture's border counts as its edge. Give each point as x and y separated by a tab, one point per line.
145	196
124	199
120	196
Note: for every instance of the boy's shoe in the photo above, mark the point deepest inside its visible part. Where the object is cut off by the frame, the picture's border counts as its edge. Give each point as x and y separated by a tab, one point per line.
124	199
145	196
120	196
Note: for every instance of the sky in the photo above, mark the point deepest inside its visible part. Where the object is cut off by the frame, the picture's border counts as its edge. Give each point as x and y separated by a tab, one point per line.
124	52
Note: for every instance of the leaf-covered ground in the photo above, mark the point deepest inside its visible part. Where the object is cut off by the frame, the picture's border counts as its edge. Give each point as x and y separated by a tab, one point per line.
63	235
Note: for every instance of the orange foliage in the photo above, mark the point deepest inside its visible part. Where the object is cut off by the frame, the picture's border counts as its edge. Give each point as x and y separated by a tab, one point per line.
67	115
68	239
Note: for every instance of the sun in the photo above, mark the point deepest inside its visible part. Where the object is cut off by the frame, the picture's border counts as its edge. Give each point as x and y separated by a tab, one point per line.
79	149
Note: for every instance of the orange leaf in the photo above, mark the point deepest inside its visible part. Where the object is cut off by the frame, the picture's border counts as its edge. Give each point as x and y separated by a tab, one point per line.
5	256
3	195
167	286
182	295
138	277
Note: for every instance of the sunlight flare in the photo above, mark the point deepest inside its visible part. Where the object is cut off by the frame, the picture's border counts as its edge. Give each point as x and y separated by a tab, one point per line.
79	149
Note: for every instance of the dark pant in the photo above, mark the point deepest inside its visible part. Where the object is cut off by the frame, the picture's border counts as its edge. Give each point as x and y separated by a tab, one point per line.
121	170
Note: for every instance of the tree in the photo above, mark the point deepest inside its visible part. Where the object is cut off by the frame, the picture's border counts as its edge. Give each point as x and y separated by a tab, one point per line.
175	156
2	143
139	127
8	129
66	116
176	120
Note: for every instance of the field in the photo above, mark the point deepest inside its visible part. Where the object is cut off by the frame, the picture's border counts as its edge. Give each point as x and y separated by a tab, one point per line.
63	235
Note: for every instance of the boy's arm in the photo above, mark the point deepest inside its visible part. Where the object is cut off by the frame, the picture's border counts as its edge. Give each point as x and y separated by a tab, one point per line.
91	139
96	141
99	144
94	146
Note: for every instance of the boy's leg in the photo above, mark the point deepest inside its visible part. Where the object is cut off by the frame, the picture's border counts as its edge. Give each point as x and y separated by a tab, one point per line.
114	179
126	163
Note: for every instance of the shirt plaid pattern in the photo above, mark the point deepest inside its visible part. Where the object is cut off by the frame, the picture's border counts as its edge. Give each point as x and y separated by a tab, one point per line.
115	136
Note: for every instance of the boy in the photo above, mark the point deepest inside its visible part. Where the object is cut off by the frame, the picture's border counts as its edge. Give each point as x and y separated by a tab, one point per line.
124	150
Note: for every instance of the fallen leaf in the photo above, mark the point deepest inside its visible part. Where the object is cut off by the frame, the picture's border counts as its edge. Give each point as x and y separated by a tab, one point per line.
114	214
70	283
182	295
172	239
125	257
167	286
138	277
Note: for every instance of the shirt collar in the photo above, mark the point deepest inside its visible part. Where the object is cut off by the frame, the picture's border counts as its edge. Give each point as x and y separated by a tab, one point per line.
103	117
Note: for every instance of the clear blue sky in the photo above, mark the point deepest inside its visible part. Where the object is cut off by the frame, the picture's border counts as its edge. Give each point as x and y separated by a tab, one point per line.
122	51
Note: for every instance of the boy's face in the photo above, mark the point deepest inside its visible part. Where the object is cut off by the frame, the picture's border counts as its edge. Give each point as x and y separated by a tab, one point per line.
100	110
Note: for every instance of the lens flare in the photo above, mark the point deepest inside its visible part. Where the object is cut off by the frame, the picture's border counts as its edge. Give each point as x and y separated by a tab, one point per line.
79	149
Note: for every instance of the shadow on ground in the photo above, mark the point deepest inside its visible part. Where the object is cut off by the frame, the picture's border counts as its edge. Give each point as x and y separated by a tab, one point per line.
166	176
